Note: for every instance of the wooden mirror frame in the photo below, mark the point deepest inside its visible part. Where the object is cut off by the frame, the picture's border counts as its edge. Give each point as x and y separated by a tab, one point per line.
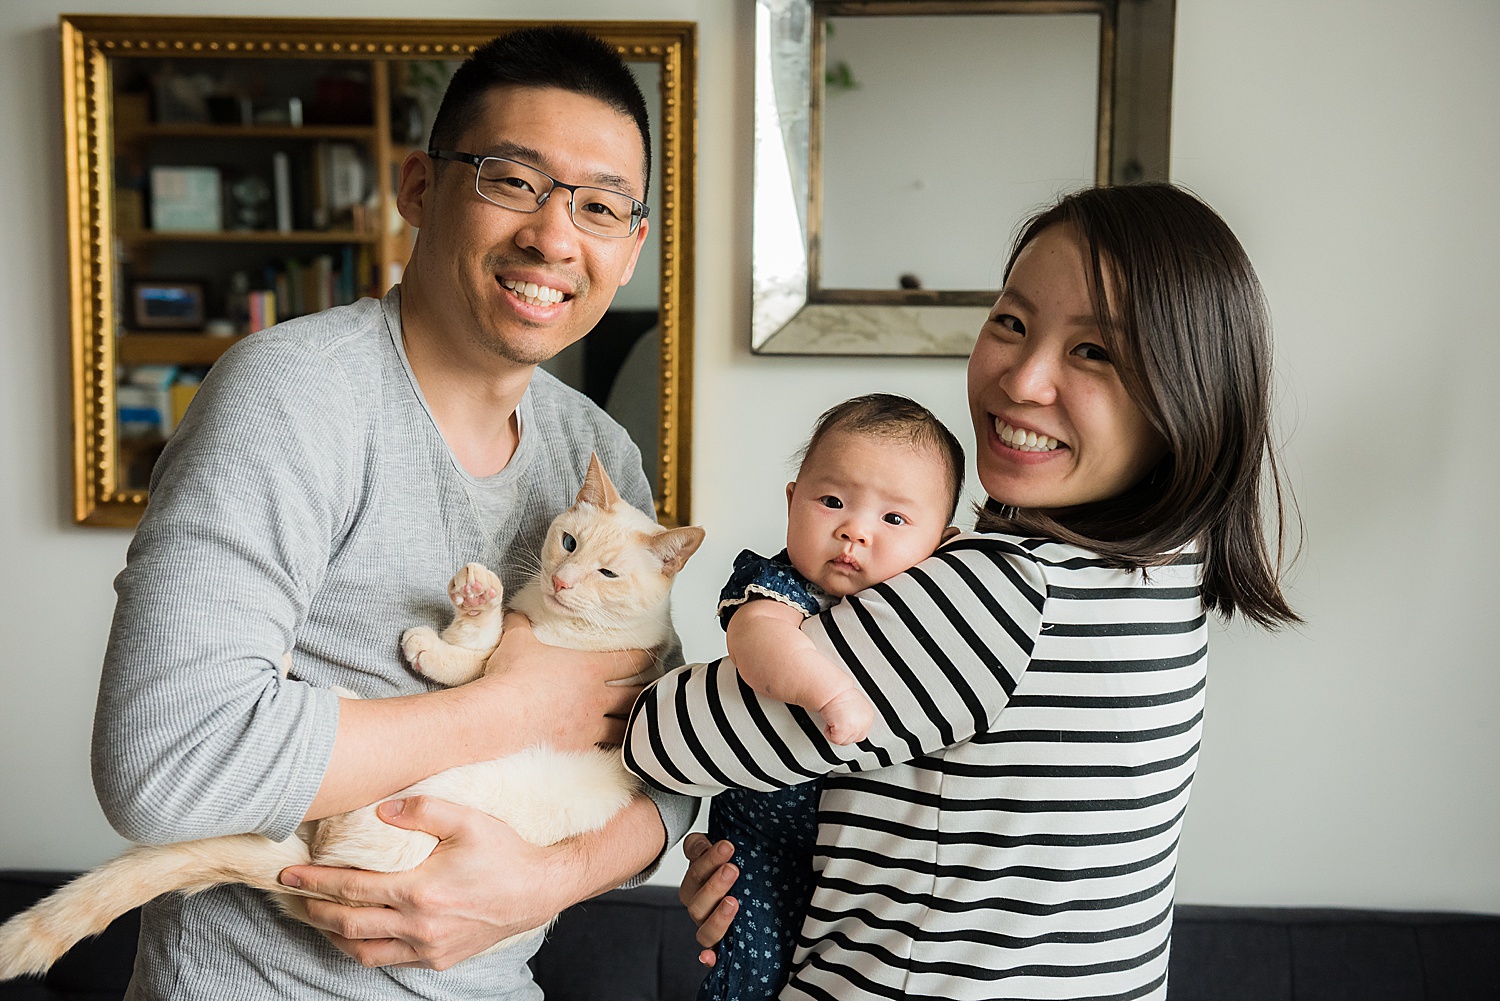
90	42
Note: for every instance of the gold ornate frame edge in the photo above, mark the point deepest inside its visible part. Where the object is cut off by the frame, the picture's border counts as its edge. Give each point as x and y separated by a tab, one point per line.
88	41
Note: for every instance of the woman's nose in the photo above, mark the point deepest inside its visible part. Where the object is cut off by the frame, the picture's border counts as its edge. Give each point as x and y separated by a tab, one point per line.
1031	378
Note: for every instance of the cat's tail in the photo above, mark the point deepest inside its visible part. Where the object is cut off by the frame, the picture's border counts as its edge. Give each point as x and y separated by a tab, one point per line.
33	940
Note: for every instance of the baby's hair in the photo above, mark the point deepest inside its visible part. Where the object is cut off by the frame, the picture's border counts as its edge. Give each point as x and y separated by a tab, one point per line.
884	415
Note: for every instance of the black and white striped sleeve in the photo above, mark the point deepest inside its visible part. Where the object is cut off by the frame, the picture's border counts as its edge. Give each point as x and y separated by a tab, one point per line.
939	650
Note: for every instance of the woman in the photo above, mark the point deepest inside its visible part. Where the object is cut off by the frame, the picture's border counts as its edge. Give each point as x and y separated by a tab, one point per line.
1010	827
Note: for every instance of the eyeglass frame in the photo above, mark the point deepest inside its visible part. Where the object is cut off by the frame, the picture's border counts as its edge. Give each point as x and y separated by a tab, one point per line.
476	161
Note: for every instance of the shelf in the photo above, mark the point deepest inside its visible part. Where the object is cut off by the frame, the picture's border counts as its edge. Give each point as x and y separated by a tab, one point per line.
171	349
187	131
249	236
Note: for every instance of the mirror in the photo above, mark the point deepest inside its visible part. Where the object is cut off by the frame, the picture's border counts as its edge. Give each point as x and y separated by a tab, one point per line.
224	173
899	142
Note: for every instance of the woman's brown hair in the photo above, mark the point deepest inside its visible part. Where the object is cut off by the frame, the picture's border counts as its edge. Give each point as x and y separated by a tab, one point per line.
1182	314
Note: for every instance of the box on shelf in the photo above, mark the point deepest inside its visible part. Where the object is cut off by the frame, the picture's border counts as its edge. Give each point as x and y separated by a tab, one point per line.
186	199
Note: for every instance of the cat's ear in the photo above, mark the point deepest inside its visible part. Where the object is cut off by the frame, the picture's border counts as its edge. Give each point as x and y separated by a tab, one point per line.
597	488
675	545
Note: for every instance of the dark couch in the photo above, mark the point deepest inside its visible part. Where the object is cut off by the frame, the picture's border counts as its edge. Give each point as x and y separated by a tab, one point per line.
639	946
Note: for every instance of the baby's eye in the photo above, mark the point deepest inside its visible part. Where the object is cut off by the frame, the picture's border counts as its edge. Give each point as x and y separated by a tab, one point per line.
608	573
895	519
830	501
569	543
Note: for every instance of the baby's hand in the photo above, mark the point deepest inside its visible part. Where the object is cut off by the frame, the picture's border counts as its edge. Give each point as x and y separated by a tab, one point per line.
847	716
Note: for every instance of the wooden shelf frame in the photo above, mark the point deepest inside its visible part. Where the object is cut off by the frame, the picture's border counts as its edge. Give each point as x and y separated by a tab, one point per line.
312	133
249	236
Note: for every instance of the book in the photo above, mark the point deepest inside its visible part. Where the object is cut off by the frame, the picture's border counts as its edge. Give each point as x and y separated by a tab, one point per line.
281	172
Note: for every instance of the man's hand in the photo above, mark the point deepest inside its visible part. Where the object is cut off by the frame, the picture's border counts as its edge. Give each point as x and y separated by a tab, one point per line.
574	699
480	885
705	888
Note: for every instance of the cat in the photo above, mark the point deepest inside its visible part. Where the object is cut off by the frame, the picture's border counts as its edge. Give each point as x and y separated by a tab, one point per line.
606	571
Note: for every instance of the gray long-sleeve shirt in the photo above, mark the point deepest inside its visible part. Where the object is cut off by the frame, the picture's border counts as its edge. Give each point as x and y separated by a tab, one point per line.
307	503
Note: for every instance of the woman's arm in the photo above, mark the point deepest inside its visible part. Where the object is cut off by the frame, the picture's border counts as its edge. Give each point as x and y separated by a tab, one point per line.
938	649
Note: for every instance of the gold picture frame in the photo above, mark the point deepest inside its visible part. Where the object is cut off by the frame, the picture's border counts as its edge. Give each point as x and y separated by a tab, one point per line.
91	45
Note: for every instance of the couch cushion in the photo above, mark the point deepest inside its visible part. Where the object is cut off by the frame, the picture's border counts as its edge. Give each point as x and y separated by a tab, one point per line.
1317	954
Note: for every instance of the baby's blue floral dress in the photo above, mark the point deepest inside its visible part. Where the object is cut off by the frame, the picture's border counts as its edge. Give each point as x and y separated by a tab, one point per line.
773	832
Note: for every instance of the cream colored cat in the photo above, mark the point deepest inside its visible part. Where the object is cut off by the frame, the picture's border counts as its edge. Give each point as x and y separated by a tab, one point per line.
606	573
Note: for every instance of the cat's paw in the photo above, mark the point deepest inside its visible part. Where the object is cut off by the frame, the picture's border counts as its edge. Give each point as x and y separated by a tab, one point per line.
475	589
417	641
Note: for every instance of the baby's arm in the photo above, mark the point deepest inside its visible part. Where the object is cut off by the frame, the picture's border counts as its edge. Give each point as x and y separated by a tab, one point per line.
774	658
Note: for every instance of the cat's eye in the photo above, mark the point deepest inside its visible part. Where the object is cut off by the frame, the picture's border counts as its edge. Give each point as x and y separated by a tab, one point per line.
608	573
569	543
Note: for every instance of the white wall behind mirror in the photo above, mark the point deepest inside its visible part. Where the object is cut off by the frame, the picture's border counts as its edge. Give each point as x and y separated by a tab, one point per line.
925	173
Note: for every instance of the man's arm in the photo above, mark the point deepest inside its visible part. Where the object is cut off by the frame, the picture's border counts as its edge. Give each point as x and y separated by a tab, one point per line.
481	884
532	694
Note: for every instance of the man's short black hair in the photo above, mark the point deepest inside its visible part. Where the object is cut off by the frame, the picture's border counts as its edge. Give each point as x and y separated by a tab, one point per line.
556	55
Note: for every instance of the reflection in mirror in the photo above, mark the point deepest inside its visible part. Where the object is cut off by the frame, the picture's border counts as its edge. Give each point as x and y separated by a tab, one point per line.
899	142
225	174
919	205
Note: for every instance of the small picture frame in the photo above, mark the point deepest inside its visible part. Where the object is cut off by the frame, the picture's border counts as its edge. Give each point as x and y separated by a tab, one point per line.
161	304
187	199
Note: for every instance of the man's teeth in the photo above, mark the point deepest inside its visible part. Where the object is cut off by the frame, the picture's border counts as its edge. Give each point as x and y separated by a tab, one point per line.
1025	441
531	292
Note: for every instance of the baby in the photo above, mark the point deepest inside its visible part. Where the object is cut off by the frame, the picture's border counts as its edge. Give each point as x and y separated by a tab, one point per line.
878	485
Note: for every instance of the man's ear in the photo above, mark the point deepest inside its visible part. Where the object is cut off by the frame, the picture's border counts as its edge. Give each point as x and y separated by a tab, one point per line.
418	182
635	252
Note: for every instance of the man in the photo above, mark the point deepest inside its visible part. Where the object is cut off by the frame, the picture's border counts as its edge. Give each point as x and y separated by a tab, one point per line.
331	476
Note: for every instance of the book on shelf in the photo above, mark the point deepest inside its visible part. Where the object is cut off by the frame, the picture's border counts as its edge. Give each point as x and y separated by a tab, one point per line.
261	306
340	182
281	186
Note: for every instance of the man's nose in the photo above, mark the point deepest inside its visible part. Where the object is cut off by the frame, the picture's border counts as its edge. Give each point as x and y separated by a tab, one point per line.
550	230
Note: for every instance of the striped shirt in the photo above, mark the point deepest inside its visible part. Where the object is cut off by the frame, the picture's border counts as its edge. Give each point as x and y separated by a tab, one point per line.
1009	828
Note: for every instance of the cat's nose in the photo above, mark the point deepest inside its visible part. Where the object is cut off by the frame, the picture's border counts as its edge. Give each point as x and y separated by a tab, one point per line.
558	584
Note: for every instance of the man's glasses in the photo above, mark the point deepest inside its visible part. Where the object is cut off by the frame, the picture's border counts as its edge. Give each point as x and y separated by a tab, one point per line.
522	188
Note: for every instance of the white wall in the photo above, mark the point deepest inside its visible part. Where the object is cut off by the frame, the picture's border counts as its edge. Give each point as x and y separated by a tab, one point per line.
1352	762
